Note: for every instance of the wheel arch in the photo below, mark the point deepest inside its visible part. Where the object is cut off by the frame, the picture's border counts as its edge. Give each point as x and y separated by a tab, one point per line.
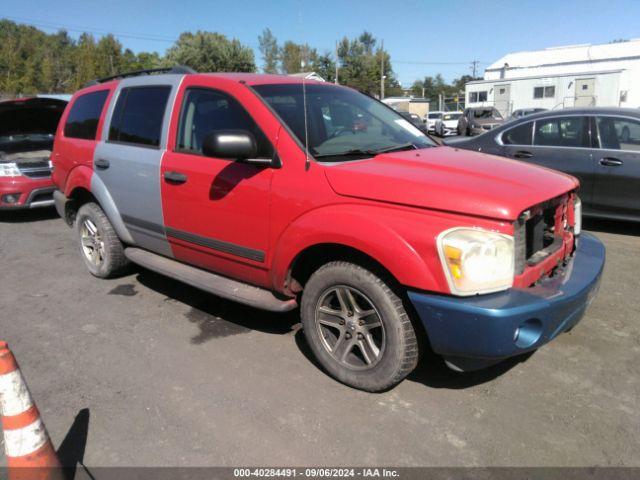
351	233
314	256
82	187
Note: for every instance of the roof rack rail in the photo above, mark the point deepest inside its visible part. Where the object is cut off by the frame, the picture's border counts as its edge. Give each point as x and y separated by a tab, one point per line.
177	69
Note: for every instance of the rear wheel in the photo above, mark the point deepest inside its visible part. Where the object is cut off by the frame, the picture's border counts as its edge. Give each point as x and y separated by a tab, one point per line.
101	249
357	327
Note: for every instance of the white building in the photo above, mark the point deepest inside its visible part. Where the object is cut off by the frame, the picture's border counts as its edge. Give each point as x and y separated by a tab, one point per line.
577	75
308	76
419	106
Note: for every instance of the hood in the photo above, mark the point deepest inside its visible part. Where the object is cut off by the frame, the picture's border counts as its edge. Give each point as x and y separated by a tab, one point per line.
487	121
448	179
30	116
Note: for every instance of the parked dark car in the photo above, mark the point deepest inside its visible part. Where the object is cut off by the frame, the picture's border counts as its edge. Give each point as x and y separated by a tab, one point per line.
415	120
477	120
599	146
523	112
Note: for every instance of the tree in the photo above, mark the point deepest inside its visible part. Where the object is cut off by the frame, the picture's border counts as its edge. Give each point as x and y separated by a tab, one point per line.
360	65
324	66
296	57
108	56
270	51
211	52
85	61
368	42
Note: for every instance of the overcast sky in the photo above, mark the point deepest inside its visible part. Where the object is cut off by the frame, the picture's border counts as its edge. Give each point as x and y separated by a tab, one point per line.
423	37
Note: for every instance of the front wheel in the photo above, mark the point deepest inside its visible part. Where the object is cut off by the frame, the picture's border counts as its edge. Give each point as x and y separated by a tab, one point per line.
357	327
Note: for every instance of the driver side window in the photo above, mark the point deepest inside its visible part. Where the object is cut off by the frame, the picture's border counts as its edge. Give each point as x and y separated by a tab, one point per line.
205	111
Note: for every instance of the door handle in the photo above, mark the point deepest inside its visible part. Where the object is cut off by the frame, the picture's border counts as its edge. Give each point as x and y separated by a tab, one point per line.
523	154
175	177
611	162
101	163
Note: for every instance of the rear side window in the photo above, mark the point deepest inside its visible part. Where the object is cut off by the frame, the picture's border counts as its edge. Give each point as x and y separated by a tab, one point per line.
619	133
205	111
82	121
520	135
138	115
562	132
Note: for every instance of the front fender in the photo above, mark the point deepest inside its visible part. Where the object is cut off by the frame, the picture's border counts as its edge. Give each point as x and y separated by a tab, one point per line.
375	231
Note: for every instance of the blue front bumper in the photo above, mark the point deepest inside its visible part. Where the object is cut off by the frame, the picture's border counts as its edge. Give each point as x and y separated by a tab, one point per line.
473	332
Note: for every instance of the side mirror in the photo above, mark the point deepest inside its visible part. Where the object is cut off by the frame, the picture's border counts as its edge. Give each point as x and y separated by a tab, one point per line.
231	144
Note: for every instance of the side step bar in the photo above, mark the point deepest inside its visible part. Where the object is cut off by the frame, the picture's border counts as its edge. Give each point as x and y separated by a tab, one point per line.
210	282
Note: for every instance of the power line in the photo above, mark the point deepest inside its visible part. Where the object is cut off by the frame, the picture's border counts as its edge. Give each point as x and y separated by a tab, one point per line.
81	29
434	63
167	39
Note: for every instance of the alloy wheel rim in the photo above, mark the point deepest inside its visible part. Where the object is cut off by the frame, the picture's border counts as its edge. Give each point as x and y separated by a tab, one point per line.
350	327
92	243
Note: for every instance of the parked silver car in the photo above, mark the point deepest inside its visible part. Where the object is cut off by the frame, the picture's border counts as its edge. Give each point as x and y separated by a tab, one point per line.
477	120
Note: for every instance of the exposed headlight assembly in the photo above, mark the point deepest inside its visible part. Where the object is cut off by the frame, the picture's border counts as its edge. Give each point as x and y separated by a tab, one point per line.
476	261
9	170
577	216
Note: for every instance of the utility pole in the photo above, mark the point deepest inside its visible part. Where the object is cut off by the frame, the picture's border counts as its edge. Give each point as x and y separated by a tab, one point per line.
337	59
474	67
381	69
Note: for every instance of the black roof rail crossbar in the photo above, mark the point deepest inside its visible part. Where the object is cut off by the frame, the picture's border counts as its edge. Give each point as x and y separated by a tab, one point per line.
175	69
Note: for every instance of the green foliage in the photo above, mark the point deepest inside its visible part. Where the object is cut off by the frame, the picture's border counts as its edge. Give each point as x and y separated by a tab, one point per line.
211	52
32	61
434	86
269	50
361	66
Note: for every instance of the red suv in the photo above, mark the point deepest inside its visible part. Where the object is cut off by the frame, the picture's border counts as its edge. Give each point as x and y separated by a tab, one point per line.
250	187
27	128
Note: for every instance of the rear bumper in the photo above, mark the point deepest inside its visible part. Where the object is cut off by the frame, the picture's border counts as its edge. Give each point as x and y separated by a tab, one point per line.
474	332
31	192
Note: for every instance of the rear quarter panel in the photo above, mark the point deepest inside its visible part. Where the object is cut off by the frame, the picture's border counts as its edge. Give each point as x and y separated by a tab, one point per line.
70	154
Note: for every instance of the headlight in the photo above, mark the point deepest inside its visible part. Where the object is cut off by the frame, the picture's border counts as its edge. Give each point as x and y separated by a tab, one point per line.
577	216
476	261
9	170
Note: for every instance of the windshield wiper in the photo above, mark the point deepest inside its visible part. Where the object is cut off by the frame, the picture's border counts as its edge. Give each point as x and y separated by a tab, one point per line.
360	152
395	148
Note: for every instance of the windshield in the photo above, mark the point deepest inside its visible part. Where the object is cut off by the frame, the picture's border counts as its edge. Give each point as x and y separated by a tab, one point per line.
434	115
486	113
341	122
451	116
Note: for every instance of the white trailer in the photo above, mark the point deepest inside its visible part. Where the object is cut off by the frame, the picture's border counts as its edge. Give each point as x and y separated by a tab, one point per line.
582	75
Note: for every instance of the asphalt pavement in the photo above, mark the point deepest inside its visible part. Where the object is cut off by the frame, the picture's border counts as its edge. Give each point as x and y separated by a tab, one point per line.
142	370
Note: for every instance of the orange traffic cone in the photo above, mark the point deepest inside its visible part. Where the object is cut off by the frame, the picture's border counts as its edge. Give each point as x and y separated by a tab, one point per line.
27	445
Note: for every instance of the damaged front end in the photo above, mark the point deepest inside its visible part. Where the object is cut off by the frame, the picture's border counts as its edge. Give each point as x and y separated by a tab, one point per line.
27	130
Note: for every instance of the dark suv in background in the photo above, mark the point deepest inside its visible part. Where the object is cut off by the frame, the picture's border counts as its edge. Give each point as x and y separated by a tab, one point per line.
475	121
599	146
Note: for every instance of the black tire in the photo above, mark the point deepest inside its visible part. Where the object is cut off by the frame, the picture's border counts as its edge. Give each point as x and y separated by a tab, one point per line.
398	350
110	251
